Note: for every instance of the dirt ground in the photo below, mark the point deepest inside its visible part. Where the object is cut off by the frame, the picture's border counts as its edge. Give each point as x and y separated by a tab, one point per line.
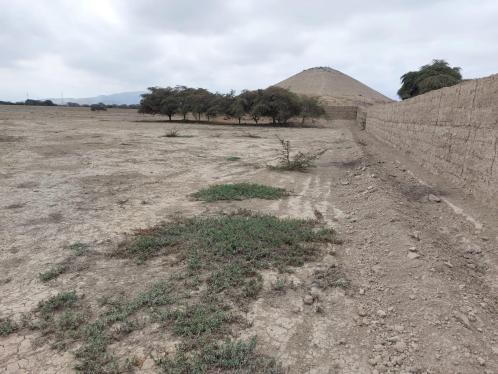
424	272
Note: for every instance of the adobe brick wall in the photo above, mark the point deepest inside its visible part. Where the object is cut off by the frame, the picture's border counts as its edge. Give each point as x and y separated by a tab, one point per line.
452	132
341	112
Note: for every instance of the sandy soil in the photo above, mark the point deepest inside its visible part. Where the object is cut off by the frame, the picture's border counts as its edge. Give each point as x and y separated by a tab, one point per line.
424	273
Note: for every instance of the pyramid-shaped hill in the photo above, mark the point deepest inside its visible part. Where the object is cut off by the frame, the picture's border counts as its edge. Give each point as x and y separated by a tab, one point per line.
333	87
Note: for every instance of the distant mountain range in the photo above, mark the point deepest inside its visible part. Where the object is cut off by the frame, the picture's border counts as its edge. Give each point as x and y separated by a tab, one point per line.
128	98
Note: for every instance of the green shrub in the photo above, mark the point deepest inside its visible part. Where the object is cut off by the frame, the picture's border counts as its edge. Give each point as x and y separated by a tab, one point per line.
52	273
79	248
57	302
239	191
299	162
7	327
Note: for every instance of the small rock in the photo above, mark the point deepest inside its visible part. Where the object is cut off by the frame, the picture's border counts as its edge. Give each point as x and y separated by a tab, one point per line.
473	249
415	235
381	313
375	360
362	312
148	364
330	260
393	339
412	297
400	346
481	361
308	299
315	293
413	249
434	198
413	255
315	284
449	264
296	310
318	308
361	291
462	318
344	182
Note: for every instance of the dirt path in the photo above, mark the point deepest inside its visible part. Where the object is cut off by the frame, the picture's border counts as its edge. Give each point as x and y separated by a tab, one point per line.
423	273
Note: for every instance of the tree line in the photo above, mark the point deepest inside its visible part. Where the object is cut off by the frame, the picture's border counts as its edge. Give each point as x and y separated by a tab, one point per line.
30	102
100	106
275	103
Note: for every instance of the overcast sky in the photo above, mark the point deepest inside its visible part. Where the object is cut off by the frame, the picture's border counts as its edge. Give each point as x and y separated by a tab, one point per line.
91	47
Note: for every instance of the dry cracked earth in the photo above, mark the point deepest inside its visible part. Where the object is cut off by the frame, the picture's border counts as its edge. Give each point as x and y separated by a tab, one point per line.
421	257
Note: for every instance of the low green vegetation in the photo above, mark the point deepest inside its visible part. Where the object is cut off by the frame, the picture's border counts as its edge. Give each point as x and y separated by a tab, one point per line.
239	191
202	302
251	135
231	356
7	326
301	161
233	158
79	248
262	240
172	134
52	273
57	302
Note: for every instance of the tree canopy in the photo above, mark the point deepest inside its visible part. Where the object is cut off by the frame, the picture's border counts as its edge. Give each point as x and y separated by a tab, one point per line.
429	77
275	103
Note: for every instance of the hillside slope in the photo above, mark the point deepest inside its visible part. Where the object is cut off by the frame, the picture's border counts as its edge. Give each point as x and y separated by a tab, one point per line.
333	86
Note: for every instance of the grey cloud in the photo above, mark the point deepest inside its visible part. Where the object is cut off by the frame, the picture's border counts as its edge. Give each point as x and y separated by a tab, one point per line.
100	46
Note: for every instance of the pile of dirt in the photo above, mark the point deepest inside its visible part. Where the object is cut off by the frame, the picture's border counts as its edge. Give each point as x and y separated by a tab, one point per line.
334	87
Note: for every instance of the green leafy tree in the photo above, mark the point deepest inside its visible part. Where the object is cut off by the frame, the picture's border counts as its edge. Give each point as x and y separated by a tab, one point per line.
201	100
151	101
280	104
98	107
251	101
311	108
183	95
169	105
429	77
237	109
216	105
